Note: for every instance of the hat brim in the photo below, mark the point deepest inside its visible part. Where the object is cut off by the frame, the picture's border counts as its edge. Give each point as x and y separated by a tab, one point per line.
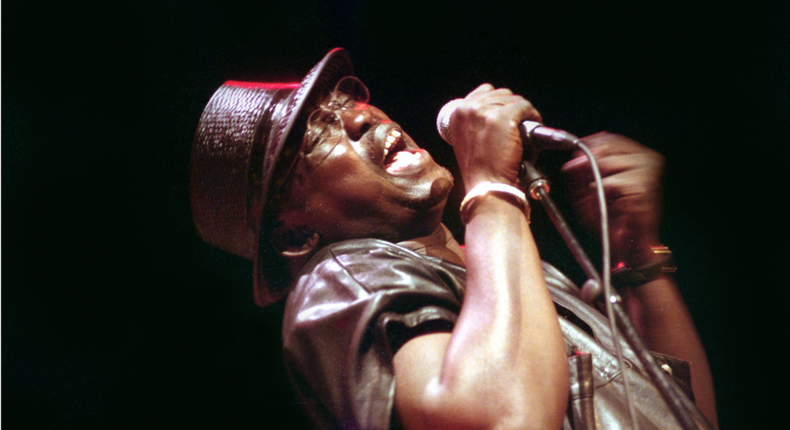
316	84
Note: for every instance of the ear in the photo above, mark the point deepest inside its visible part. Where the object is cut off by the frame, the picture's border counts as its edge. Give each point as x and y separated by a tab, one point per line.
295	242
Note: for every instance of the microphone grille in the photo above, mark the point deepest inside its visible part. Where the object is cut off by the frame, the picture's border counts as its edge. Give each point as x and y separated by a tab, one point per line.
443	119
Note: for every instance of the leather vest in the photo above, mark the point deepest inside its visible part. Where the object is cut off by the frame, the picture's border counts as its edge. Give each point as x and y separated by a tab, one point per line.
357	301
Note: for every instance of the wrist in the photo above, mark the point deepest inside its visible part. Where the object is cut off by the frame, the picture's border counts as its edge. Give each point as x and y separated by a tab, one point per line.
478	173
638	250
660	262
473	181
484	192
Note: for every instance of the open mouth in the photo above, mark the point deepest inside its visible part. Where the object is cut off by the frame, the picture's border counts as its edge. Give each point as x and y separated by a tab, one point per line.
392	144
397	155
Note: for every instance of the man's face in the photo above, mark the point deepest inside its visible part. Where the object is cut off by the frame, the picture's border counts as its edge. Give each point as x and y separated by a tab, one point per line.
364	177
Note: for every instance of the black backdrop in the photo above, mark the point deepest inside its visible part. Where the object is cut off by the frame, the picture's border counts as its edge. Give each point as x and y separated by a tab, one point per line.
115	314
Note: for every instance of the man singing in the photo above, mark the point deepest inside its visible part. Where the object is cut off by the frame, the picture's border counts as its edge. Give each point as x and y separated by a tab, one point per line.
388	323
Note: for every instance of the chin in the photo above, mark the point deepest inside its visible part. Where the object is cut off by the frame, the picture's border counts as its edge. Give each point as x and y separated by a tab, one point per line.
429	210
430	195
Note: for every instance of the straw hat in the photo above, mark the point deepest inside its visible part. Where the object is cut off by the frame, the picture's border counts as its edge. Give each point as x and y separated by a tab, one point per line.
247	137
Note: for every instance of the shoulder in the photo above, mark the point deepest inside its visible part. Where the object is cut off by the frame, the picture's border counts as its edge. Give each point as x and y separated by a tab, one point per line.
353	306
371	273
366	266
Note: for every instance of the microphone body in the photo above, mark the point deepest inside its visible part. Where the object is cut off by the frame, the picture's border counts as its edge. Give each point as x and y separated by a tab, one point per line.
532	133
543	137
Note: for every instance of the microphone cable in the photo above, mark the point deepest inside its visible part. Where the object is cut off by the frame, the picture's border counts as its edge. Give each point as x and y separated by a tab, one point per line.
539	137
607	275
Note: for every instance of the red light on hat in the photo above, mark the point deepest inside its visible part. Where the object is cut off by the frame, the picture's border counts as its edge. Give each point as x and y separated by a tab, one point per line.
264	85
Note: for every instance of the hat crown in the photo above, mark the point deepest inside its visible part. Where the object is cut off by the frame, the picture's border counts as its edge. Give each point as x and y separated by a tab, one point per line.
248	131
234	130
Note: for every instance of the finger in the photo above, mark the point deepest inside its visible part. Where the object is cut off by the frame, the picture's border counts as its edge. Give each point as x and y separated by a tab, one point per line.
500	102
614	186
612	165
488	97
516	107
605	144
627	210
616	175
647	164
611	143
482	89
622	185
483	97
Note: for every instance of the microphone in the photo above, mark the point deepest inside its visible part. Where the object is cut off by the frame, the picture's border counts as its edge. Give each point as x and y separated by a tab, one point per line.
534	133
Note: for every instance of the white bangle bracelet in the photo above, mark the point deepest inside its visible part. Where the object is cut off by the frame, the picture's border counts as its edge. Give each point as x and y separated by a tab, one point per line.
514	194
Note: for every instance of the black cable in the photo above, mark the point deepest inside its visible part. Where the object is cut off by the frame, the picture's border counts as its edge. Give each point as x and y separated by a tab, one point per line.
687	414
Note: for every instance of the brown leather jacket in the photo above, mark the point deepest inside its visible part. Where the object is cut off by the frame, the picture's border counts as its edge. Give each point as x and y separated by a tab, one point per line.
356	302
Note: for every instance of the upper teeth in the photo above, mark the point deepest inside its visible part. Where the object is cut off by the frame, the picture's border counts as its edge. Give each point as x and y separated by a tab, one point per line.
392	137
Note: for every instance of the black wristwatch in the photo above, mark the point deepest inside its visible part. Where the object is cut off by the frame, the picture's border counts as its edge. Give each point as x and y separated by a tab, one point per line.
624	276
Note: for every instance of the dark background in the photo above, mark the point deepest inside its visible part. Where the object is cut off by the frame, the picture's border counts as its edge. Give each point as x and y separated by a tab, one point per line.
115	314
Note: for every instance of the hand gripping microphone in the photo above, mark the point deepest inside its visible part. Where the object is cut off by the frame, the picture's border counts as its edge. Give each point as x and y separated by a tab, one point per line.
532	133
538	137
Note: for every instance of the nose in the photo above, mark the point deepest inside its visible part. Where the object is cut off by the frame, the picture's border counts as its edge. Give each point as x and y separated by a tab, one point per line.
358	121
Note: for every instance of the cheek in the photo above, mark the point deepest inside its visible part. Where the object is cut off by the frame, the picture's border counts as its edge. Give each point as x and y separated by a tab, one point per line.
337	166
339	151
341	178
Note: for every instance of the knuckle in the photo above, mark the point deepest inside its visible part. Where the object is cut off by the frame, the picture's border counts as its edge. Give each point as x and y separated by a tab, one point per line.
486	86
